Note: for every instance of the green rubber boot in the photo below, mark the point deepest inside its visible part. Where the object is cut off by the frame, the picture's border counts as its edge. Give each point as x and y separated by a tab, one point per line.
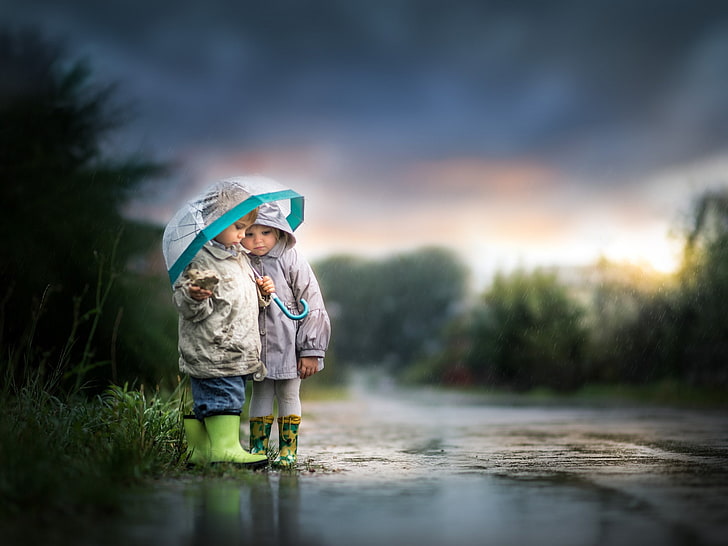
260	433
198	443
288	442
224	433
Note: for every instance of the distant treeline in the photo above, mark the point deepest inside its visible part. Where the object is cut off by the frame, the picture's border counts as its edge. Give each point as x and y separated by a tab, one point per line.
561	329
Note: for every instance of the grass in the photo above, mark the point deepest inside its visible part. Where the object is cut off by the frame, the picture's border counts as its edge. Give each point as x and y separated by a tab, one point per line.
68	454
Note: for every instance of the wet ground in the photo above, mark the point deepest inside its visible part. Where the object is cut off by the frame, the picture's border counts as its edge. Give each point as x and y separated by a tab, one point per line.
428	468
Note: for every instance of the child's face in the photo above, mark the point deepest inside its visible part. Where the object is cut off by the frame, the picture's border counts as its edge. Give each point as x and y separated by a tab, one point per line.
259	240
234	233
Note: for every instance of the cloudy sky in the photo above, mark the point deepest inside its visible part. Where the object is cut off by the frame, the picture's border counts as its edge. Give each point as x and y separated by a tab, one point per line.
515	132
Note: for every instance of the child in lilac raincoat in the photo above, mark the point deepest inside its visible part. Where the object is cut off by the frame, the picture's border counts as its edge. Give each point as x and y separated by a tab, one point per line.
292	350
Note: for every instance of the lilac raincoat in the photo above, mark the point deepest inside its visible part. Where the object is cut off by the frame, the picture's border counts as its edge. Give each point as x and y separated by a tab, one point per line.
283	340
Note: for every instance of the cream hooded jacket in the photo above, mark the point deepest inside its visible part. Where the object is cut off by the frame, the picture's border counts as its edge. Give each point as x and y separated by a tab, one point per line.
219	337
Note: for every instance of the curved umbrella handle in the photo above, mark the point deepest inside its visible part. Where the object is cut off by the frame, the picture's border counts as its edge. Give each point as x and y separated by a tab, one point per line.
286	312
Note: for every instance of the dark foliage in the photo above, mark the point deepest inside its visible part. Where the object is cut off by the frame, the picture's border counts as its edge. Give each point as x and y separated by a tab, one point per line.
65	240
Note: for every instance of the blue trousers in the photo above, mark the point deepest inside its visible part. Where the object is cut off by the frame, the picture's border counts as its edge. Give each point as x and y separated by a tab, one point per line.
217	396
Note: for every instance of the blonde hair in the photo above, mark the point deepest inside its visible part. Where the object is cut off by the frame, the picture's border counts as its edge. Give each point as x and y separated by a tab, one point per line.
251	217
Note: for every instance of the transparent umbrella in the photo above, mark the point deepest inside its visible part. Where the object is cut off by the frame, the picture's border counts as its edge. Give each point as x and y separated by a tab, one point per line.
207	215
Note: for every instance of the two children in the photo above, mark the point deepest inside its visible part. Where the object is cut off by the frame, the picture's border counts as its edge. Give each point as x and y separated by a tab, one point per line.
291	350
223	340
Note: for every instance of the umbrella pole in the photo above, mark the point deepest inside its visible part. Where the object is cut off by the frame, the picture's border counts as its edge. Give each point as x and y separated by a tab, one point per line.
282	306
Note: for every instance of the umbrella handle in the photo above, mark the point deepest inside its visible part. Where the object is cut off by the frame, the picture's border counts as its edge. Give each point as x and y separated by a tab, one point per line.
286	312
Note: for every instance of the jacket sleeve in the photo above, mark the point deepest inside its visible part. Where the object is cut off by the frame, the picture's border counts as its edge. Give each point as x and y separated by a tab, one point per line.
314	331
188	308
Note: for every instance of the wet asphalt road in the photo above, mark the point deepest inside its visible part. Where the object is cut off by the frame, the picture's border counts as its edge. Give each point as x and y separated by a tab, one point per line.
441	467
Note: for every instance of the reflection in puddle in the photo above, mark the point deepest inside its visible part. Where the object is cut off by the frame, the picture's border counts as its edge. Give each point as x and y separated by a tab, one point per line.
260	509
468	509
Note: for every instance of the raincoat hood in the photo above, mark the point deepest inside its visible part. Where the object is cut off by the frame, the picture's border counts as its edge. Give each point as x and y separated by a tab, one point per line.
271	215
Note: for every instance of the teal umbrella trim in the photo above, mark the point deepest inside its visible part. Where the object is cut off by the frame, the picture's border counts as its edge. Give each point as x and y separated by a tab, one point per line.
295	218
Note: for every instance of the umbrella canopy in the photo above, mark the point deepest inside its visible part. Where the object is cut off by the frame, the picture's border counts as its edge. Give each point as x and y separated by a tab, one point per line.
206	216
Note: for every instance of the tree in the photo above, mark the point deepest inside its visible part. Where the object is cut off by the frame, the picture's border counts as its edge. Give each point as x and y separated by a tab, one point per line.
682	333
528	332
628	310
391	311
704	287
64	235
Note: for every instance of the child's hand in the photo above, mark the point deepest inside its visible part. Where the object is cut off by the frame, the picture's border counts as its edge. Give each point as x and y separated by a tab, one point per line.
266	285
197	293
307	366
